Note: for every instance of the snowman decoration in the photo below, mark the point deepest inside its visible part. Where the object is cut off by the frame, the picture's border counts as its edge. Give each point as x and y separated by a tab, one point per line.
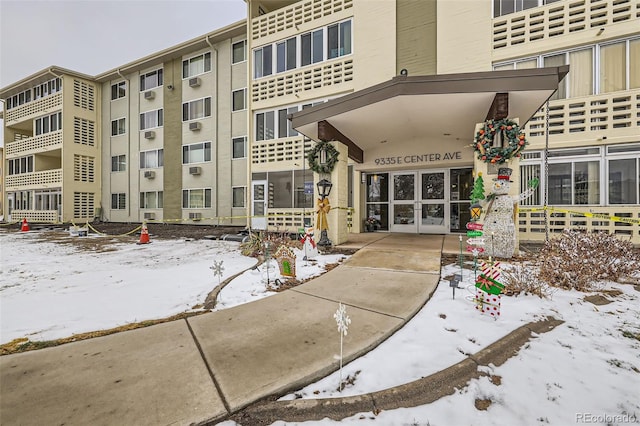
499	223
309	245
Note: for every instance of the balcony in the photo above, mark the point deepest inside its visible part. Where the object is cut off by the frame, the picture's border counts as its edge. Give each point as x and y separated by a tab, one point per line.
35	216
560	20
610	114
279	150
35	180
32	109
288	18
36	144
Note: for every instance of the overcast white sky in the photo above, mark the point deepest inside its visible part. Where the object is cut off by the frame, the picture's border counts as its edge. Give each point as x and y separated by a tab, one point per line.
93	36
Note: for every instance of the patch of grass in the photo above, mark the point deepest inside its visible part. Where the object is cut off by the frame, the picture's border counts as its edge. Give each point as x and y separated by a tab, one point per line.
631	335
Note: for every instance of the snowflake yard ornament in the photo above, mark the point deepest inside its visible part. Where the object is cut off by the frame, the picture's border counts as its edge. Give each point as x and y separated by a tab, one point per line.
217	269
343	321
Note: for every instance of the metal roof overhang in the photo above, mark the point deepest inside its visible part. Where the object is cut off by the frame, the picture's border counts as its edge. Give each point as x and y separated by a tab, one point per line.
422	107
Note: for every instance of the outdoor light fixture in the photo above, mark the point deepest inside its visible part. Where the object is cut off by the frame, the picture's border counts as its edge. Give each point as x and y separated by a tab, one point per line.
324	188
476	211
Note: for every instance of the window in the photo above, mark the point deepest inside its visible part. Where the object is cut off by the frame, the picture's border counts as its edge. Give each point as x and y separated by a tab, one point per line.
286	55
151	119
118	163
196	198
151	200
574	183
118	127
119	201
239	147
238	196
48	123
239	52
613	67
239	100
196	153
288	189
196	109
339	40
284	125
312	47
263	61
265	126
150	80
47	88
20	165
118	90
504	7
196	65
624	174
151	159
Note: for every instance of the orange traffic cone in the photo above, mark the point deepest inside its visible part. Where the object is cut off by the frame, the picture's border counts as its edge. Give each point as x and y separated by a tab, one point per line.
144	234
25	225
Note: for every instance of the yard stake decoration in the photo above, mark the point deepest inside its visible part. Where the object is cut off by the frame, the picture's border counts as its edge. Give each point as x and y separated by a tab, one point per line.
217	269
343	321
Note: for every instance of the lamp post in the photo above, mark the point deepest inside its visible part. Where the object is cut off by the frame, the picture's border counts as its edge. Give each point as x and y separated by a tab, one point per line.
324	189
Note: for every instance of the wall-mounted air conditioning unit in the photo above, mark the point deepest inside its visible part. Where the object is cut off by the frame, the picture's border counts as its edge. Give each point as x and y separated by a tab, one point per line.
194	126
150	94
149	216
149	134
194	82
149	174
195	216
195	170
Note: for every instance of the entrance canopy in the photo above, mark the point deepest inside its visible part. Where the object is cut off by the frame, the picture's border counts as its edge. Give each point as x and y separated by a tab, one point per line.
408	108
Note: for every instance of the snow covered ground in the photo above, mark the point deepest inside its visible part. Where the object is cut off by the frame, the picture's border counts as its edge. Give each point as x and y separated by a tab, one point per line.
585	371
50	290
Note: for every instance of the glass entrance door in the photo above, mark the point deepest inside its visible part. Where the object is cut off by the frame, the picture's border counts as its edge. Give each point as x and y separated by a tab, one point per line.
434	202
403	202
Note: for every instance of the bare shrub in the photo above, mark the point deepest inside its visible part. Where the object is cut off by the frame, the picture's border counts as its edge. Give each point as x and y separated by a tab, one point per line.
577	260
524	278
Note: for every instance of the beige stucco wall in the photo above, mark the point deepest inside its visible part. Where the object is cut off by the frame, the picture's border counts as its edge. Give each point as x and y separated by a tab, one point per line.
464	36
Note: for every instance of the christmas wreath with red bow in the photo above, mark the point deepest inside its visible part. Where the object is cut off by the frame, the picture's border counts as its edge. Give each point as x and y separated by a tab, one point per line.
492	150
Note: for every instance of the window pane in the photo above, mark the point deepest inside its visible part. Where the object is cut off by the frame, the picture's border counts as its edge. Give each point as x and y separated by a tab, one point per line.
207	62
305	49
556	61
345	38
291	53
587	182
613	67
267	66
260	127
317	46
238	100
623	181
239	51
527	173
282	123
332	41
529	64
238	197
560	183
581	80
281	186
257	63
207	198
269	124
238	148
281	57
377	187
185	155
303	180
634	64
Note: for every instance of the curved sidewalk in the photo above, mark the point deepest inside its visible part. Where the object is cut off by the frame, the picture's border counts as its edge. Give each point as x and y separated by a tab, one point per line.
204	368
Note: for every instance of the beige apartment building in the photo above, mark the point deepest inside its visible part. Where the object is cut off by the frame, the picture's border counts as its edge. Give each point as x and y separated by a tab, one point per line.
174	131
401	86
162	138
52	168
217	129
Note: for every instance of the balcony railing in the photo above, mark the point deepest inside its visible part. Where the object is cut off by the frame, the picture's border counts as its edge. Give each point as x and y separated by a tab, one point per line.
278	150
39	143
295	15
41	216
33	108
608	114
560	19
45	179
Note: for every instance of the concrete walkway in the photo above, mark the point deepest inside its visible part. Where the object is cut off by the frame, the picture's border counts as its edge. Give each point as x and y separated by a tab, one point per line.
203	368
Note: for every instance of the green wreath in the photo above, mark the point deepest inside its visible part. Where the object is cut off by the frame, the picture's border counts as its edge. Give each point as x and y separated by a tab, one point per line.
514	143
332	157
